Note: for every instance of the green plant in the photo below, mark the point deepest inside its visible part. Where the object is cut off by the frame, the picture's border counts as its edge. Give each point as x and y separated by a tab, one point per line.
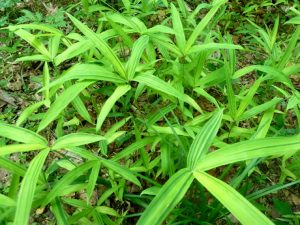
126	105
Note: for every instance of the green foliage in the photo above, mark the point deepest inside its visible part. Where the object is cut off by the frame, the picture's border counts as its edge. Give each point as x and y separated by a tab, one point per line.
148	112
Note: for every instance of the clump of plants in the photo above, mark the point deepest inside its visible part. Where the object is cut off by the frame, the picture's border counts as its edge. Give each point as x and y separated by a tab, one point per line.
149	113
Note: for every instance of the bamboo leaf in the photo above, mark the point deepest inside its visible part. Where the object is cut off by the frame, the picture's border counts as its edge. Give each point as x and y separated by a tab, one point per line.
167	198
206	95
73	50
119	29
204	139
272	73
258	109
93	180
107	210
54	43
178	28
27	112
101	45
248	98
88	72
33	58
34	42
160	85
77	139
28	186
61	103
295	20
42	27
289	49
66	180
213	46
81	109
127	174
239	206
21	135
110	102
203	23
251	149
8	149
46	81
167	130
12	167
79	105
6	201
137	51
59	212
132	148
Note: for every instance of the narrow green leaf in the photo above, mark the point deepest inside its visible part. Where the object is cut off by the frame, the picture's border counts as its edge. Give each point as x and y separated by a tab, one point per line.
81	109
61	103
119	29
88	72
163	44
66	180
167	198
6	201
83	153
289	49
76	139
86	5
33	41
27	112
101	45
264	124
182	7
46	81
127	21
206	95
132	148
126	4
42	27
28	186
54	43
274	32
178	28
167	164
12	167
251	149
258	109
160	113
160	29
239	206
79	105
107	210
204	139
160	85
214	78
21	135
73	50
106	194
203	23
33	58
59	212
93	180
295	20
272	72
110	102
137	51
167	130
127	174
213	46
8	149
246	101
